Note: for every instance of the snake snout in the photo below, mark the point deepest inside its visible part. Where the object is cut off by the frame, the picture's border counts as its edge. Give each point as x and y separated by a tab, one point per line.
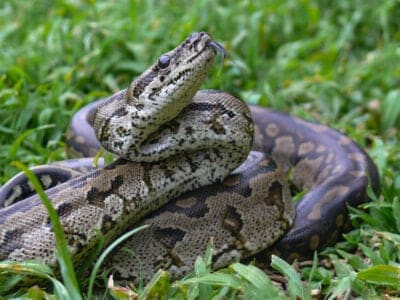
195	36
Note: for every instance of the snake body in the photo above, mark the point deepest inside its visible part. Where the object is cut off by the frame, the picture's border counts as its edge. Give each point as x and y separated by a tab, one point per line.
179	143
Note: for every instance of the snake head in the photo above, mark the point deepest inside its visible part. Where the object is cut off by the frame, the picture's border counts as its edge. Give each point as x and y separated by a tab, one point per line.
157	96
176	76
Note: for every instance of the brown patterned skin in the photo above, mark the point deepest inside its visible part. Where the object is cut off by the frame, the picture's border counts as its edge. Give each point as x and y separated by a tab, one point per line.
170	140
250	209
328	165
243	215
332	170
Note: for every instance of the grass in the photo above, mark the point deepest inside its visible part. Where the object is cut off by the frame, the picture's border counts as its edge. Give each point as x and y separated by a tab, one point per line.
334	62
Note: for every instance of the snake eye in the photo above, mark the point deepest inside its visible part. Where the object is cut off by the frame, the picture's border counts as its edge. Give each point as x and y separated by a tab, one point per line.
163	61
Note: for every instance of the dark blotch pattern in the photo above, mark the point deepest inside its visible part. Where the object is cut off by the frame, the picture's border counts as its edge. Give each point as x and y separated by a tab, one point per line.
11	242
169	236
64	209
96	197
232	221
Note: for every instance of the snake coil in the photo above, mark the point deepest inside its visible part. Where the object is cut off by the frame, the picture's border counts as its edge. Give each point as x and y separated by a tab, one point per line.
175	142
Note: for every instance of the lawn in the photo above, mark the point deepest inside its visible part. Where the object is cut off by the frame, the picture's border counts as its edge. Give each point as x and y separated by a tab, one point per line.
337	63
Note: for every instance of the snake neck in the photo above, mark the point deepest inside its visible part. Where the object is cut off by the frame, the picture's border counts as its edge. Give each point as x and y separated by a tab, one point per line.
156	97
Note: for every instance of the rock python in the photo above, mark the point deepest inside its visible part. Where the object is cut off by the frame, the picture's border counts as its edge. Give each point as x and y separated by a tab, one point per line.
175	142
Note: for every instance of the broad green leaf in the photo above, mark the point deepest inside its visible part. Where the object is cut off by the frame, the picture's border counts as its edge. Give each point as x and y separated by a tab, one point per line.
158	287
260	286
381	275
295	285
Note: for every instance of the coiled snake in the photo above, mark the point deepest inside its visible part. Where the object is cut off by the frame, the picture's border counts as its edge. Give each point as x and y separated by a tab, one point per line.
175	142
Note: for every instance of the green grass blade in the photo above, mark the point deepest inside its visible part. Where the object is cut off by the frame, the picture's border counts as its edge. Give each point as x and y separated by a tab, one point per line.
218	279
16	145
158	287
106	252
63	255
12	272
391	106
295	286
354	260
371	254
259	285
396	212
60	291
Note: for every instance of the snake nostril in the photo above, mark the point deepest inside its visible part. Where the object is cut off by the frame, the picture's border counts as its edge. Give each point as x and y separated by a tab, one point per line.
194	36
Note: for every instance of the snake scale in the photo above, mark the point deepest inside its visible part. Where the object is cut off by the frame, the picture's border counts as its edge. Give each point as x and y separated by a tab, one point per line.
175	142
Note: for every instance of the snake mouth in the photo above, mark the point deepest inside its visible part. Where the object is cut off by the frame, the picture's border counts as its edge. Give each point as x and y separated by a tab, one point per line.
197	36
